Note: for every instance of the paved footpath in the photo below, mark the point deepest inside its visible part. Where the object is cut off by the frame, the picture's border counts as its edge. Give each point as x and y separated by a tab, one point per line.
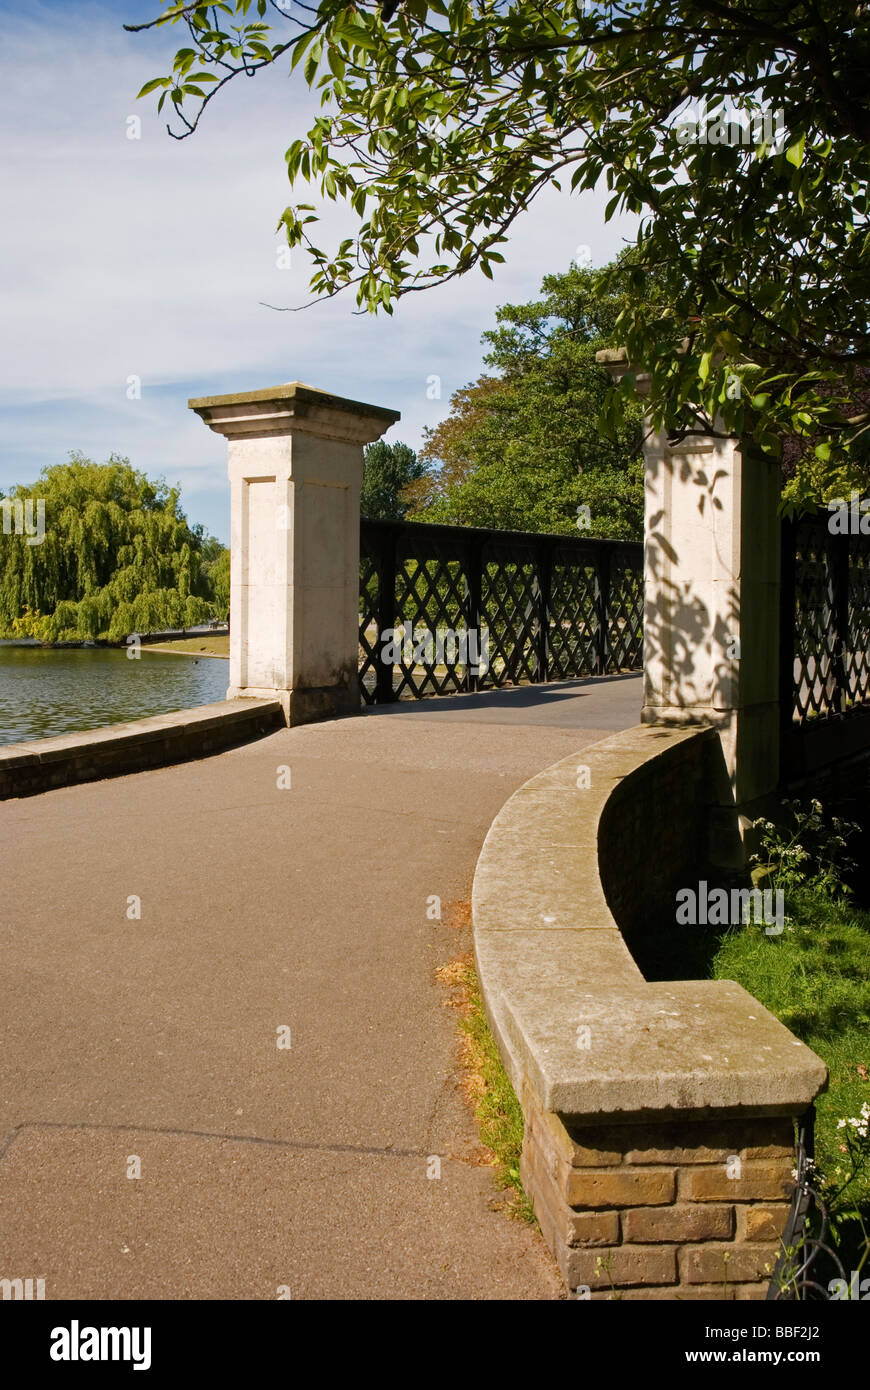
156	1038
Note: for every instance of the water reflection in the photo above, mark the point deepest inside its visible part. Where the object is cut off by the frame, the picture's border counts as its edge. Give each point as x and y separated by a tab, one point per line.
46	691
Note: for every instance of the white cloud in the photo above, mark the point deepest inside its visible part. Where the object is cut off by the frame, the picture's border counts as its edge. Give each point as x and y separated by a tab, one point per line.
152	256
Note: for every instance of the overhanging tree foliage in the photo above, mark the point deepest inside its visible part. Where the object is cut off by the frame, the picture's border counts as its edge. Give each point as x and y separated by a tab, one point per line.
117	556
749	287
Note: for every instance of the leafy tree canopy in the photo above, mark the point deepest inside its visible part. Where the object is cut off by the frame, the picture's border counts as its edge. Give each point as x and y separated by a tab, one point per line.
117	556
443	119
522	450
388	469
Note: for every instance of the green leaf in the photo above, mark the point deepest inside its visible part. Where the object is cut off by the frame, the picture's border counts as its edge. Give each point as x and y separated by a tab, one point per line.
153	85
311	62
300	47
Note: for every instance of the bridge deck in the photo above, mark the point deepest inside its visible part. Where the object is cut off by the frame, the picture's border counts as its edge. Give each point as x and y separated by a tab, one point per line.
259	908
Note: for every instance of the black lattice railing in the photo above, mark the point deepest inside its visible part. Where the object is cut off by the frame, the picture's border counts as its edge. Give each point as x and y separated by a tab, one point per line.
825	620
451	608
807	1261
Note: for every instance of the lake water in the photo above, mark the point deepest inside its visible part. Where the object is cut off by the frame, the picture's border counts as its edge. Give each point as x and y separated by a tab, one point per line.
45	691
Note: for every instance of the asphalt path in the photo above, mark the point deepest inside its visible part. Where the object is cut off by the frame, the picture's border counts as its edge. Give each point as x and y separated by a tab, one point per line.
267	913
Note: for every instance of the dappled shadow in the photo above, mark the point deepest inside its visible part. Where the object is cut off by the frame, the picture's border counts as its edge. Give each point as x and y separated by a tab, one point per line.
689	650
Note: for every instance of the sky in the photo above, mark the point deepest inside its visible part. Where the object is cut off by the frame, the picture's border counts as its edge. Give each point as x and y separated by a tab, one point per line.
152	258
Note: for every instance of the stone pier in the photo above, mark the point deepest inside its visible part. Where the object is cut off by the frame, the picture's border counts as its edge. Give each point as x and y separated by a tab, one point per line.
711	596
295	462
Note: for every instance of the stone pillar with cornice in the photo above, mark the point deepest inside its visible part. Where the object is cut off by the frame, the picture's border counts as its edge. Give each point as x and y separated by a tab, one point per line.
295	463
711	596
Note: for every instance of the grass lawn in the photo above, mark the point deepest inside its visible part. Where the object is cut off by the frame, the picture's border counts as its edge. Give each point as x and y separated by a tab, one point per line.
816	978
218	645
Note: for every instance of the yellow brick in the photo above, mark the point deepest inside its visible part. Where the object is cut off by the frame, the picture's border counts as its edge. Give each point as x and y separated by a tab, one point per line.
683	1222
761	1223
726	1264
619	1187
757	1182
626	1264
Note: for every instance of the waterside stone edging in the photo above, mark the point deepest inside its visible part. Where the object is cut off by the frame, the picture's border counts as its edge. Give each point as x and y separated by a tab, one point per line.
67	759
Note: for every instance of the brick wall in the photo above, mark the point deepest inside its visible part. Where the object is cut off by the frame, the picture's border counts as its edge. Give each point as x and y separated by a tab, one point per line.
690	1210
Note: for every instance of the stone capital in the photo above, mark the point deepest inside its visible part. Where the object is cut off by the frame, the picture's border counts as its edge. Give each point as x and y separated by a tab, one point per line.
615	360
293	408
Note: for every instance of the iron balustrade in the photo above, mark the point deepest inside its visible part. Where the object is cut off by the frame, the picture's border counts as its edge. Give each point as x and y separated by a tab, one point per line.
825	641
807	1262
534	607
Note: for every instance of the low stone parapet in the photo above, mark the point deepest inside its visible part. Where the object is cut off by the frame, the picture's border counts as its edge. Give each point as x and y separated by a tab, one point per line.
42	764
659	1140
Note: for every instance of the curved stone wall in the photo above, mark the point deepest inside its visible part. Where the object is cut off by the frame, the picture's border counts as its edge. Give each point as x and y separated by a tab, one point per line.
659	1116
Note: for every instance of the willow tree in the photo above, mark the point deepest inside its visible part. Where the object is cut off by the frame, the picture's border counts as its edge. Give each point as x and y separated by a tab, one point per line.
117	556
444	119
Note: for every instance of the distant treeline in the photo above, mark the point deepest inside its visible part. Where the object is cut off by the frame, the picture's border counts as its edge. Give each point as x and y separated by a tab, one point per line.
115	555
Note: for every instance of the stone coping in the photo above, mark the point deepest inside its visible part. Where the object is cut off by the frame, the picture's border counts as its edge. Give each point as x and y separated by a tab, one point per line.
294	391
292	408
551	958
115	749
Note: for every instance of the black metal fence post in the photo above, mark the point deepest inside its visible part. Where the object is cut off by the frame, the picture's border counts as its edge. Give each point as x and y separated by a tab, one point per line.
473	679
602	611
838	566
545	572
386	612
787	636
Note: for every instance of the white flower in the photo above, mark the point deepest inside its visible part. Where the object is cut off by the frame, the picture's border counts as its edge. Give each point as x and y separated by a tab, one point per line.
860	1123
